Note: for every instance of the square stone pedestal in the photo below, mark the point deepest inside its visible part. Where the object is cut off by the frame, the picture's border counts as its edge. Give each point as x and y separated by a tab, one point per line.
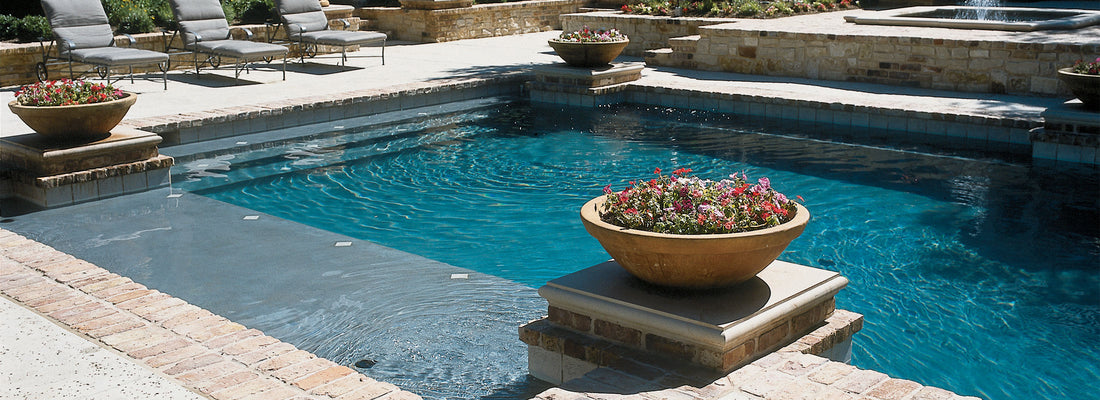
601	314
588	87
51	174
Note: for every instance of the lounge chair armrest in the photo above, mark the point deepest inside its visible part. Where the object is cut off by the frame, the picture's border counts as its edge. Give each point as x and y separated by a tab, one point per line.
198	37
345	22
66	45
131	38
247	32
297	28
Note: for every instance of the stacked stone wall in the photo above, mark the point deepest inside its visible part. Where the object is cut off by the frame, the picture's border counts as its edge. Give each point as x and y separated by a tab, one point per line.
1009	63
646	32
479	21
963	65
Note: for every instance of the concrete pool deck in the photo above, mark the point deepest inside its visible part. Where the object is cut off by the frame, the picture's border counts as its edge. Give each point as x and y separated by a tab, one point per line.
31	273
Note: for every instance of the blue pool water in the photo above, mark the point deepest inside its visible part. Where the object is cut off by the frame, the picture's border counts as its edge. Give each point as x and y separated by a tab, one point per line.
976	272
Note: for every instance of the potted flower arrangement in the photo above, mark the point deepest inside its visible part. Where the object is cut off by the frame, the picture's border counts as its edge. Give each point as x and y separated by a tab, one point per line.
682	231
1083	79
69	110
589	48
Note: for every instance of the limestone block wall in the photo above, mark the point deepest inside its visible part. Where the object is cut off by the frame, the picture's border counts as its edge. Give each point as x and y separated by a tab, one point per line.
986	66
479	21
646	32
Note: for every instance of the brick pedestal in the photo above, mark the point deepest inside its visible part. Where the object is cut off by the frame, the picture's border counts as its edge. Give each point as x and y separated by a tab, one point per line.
586	87
48	174
601	315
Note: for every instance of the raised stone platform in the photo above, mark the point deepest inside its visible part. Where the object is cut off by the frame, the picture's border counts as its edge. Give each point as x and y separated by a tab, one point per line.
1070	133
587	87
600	315
51	174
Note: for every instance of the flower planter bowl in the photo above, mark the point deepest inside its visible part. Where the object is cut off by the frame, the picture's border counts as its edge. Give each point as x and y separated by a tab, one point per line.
588	54
692	261
1085	87
75	122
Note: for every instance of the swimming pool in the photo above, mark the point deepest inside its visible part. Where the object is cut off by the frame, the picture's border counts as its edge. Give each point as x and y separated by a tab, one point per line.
976	271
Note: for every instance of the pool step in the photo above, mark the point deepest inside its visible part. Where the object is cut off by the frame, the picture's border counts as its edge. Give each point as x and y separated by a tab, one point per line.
679	54
217	162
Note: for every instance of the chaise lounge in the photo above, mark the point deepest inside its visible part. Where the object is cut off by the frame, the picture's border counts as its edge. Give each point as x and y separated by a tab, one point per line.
306	25
83	35
204	30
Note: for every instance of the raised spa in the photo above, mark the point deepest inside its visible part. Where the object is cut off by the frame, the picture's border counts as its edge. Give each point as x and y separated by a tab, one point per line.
998	18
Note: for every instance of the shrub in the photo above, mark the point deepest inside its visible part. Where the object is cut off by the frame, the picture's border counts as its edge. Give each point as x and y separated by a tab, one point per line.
138	16
252	11
9	27
161	12
129	16
734	8
33	27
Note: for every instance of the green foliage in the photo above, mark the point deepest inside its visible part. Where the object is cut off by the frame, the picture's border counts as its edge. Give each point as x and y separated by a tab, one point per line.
129	16
9	26
735	8
252	11
749	8
32	28
138	16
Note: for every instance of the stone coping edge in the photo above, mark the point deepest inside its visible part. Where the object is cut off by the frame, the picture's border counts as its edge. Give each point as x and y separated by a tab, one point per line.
198	349
683	329
323	108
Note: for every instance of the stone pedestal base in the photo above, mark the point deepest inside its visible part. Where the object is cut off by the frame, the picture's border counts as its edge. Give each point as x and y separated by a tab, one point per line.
1070	133
588	87
50	175
601	315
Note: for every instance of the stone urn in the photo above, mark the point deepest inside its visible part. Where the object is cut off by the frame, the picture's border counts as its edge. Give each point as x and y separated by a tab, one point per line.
80	122
692	261
588	54
1086	87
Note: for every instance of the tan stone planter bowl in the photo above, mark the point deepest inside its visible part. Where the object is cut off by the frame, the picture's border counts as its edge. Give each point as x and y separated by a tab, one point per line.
1085	87
692	261
590	54
76	122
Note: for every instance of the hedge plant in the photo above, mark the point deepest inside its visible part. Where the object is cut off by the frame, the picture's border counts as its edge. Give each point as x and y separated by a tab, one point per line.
26	29
736	8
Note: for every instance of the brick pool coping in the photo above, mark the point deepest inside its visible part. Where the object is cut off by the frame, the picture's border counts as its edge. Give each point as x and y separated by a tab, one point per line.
196	348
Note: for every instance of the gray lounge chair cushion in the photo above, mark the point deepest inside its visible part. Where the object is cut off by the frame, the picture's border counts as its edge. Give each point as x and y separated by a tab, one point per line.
242	49
202	17
343	38
118	56
302	14
81	23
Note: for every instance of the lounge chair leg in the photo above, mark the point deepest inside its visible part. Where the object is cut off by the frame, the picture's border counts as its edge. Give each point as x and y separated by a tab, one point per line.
131	75
195	58
383	52
284	66
343	56
71	76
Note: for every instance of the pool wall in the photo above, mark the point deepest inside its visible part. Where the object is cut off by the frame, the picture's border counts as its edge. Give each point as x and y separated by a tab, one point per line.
234	121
